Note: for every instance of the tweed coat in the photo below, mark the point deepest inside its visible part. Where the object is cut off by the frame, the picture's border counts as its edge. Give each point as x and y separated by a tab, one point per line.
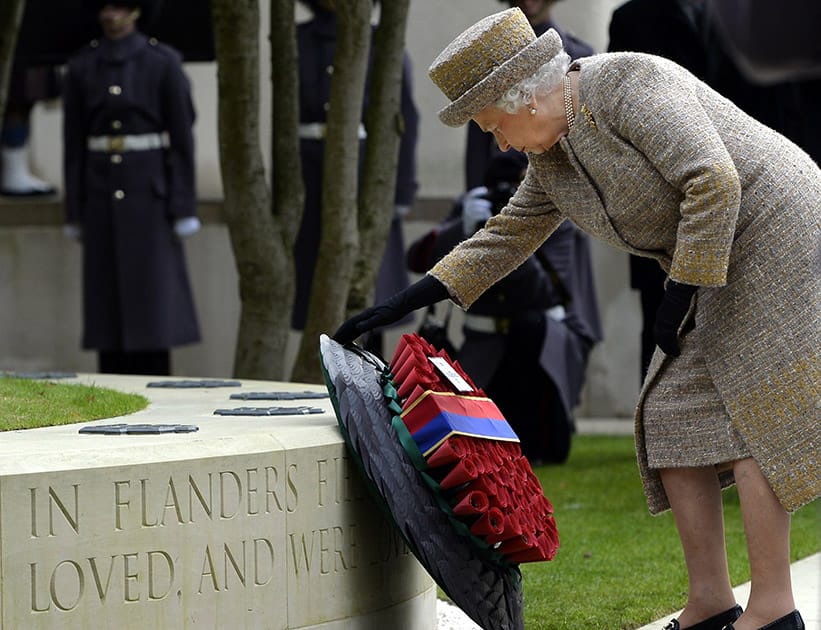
136	291
671	29
659	164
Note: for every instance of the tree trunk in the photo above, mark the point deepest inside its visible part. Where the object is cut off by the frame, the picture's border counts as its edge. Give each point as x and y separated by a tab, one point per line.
385	126
260	260
11	14
339	240
288	187
287	184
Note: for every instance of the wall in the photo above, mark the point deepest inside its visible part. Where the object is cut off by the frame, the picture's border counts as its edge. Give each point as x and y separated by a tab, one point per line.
613	375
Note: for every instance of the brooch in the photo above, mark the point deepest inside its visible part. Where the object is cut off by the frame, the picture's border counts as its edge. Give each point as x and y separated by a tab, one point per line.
588	115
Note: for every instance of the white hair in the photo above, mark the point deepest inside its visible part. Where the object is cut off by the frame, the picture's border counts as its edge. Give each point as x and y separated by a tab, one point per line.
542	81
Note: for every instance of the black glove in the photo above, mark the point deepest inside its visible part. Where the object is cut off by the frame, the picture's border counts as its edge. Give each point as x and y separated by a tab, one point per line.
423	293
673	309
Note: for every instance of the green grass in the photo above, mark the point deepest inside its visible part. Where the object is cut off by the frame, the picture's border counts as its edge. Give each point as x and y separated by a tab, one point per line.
618	566
28	403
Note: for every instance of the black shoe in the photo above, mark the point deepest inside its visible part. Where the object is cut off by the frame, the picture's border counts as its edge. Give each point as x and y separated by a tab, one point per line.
721	621
791	621
28	192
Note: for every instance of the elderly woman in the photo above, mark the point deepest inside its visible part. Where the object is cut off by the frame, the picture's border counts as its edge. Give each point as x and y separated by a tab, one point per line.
639	153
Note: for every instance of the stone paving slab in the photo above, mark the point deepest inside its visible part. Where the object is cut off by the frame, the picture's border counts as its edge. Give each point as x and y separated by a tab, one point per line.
805	576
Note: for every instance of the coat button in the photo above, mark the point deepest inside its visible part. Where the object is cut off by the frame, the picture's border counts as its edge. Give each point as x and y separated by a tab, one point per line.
119	194
116	158
329	69
116	90
116	124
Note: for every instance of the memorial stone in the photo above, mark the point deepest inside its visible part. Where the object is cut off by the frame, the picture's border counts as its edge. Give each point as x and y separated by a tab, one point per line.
244	523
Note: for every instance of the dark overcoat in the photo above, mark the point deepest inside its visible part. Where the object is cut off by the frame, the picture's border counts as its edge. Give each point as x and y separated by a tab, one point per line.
316	41
136	293
680	31
660	27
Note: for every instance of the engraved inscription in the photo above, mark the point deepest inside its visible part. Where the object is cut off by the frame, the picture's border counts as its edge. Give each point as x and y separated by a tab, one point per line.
65	506
101	565
337	549
250	560
190	499
337	483
128	577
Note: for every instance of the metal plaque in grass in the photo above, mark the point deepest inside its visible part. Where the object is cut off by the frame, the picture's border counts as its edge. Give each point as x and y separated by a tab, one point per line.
360	388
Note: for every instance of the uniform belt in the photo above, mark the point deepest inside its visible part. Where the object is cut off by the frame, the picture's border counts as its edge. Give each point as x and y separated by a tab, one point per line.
487	324
318	131
132	142
501	325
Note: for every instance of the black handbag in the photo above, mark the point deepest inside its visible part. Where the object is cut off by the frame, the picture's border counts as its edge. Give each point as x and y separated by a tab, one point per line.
434	329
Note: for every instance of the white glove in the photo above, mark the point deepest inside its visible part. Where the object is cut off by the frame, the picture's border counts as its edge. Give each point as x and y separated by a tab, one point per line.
73	231
401	211
475	209
187	226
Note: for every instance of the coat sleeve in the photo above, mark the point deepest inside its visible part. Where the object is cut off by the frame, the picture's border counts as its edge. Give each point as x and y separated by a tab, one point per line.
74	150
507	240
653	104
178	116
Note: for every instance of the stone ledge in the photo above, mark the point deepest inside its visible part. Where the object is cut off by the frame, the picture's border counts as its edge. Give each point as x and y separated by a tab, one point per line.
253	522
49	211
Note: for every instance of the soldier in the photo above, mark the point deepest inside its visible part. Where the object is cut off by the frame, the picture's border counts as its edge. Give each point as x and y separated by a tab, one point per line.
130	196
316	41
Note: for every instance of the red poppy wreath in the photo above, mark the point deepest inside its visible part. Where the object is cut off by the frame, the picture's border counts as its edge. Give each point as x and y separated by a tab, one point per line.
446	466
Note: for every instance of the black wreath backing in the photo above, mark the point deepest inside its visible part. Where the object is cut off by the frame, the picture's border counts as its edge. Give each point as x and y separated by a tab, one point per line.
488	591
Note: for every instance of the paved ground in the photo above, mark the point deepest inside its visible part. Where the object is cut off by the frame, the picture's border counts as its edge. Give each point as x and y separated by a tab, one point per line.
805	581
806	573
805	576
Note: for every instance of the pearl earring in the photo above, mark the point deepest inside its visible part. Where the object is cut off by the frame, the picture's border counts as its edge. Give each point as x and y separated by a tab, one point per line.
532	111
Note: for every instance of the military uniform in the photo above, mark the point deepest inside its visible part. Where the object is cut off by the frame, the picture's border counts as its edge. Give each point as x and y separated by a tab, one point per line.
129	176
316	40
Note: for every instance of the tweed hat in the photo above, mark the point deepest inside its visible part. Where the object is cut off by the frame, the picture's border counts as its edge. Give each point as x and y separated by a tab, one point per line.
488	58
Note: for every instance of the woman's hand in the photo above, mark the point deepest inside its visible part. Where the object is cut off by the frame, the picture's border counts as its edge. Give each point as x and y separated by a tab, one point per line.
423	293
672	311
373	317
